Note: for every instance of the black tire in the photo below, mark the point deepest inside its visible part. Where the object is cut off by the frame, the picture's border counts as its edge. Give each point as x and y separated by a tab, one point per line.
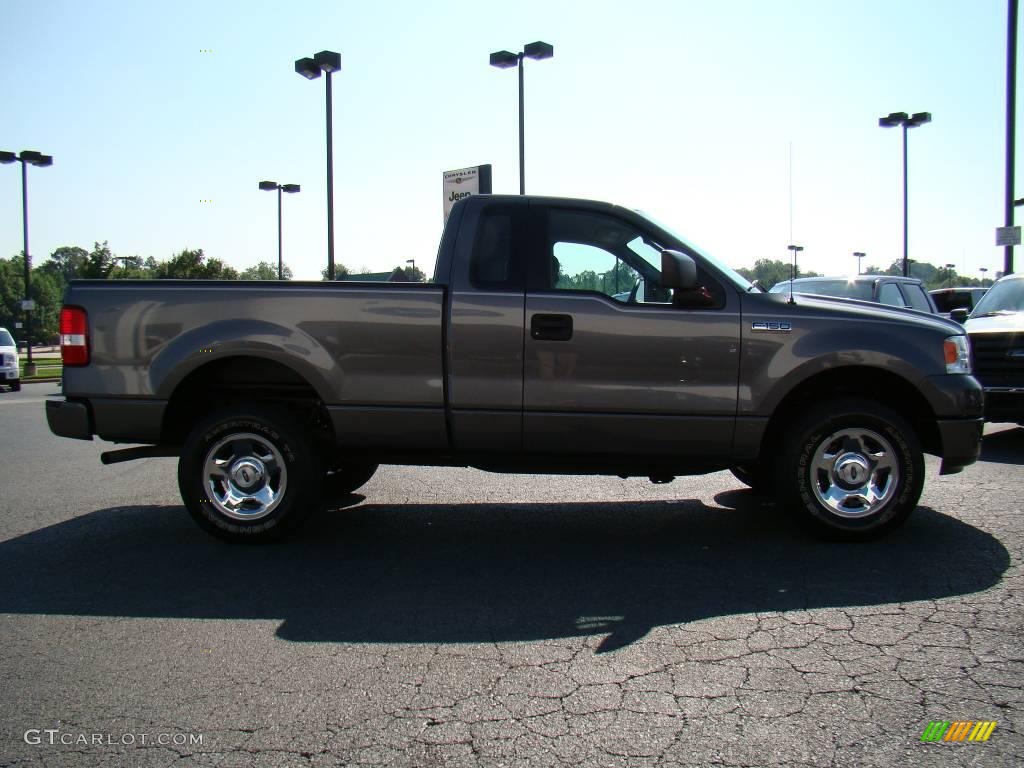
752	475
850	468
16	386
272	478
342	480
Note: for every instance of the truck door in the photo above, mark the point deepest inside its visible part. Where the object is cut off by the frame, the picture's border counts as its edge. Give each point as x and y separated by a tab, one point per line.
484	343
614	364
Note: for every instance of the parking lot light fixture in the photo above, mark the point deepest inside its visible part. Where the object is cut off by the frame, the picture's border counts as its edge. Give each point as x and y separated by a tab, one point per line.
270	186
27	157
310	68
892	120
860	256
506	60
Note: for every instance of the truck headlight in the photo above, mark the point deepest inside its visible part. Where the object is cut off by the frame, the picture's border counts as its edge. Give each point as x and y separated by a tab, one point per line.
957	351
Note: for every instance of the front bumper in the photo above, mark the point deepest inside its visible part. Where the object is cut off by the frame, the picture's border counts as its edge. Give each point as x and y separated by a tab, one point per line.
67	418
961	443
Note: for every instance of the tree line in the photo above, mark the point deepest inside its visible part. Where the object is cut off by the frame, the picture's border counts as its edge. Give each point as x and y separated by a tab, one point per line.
50	278
67	263
768	272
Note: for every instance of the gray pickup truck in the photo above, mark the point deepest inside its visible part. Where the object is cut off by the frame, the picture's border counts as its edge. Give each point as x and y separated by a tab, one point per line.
557	336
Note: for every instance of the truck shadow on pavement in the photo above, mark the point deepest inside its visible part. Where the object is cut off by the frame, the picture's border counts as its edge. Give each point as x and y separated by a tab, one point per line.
1006	447
487	572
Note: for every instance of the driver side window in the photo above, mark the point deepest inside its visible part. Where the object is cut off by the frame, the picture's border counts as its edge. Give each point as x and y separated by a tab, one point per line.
579	267
591	252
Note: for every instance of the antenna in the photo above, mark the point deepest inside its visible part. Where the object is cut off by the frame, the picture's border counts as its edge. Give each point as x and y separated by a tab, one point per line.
792	273
791	191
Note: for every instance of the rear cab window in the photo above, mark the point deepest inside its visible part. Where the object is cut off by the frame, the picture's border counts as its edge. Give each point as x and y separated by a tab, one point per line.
916	297
889	293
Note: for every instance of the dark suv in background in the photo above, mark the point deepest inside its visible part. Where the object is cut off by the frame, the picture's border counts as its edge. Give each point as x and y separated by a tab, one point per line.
907	292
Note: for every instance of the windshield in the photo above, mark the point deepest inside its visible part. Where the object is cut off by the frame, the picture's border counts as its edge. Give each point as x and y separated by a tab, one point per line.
1004	296
844	289
739	280
5	339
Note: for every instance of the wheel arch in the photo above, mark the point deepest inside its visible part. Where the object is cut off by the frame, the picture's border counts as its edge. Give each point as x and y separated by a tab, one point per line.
236	379
877	384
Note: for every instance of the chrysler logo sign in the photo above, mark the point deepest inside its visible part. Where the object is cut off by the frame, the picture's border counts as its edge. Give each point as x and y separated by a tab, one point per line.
463	183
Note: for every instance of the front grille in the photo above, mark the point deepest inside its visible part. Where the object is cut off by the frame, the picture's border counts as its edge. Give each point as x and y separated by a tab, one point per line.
998	358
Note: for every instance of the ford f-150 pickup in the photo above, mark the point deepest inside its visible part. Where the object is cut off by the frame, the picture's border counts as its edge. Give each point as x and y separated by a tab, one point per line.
557	336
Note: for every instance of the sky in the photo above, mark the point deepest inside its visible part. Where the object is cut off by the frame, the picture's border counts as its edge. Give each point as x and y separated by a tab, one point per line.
745	126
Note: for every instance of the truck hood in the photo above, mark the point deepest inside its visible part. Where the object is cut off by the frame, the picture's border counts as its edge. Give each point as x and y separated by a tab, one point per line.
1011	321
853	308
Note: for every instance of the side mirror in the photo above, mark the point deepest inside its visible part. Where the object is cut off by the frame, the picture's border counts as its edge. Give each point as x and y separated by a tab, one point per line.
678	271
959	315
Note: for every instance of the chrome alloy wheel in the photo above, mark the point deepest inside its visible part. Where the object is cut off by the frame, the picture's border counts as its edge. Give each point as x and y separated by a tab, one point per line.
854	472
245	476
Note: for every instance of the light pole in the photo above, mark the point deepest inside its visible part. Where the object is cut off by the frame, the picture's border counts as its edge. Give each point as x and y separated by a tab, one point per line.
270	186
26	158
912	121
412	274
983	270
1011	124
310	68
507	59
860	255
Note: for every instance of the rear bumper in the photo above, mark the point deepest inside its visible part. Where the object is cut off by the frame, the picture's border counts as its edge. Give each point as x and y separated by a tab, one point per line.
68	418
961	443
119	420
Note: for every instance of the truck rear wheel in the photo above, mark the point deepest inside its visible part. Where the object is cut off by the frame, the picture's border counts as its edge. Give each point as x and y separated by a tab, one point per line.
851	469
249	474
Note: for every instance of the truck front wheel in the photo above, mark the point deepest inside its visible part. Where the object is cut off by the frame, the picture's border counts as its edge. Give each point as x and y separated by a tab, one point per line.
249	474
851	469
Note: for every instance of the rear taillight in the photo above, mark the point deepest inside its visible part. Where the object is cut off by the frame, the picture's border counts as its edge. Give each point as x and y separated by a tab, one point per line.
74	336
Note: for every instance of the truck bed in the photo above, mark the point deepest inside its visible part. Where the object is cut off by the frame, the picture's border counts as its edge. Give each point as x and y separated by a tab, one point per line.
365	349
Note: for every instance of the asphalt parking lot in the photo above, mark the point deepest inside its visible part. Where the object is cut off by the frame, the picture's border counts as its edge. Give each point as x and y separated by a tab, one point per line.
449	617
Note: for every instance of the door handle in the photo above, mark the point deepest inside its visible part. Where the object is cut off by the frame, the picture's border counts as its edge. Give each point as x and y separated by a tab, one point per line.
551	327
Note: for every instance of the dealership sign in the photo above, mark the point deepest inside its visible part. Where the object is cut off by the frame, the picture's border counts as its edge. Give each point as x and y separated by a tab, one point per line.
463	183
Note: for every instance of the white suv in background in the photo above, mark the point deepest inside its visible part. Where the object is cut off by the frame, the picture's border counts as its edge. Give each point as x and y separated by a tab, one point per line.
9	374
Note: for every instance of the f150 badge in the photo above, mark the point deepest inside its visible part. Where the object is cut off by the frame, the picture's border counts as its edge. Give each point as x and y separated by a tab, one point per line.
779	326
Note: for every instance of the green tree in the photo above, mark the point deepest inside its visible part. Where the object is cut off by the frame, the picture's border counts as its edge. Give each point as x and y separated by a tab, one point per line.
410	275
129	268
47	291
12	290
264	271
193	265
98	263
340	271
769	272
65	261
